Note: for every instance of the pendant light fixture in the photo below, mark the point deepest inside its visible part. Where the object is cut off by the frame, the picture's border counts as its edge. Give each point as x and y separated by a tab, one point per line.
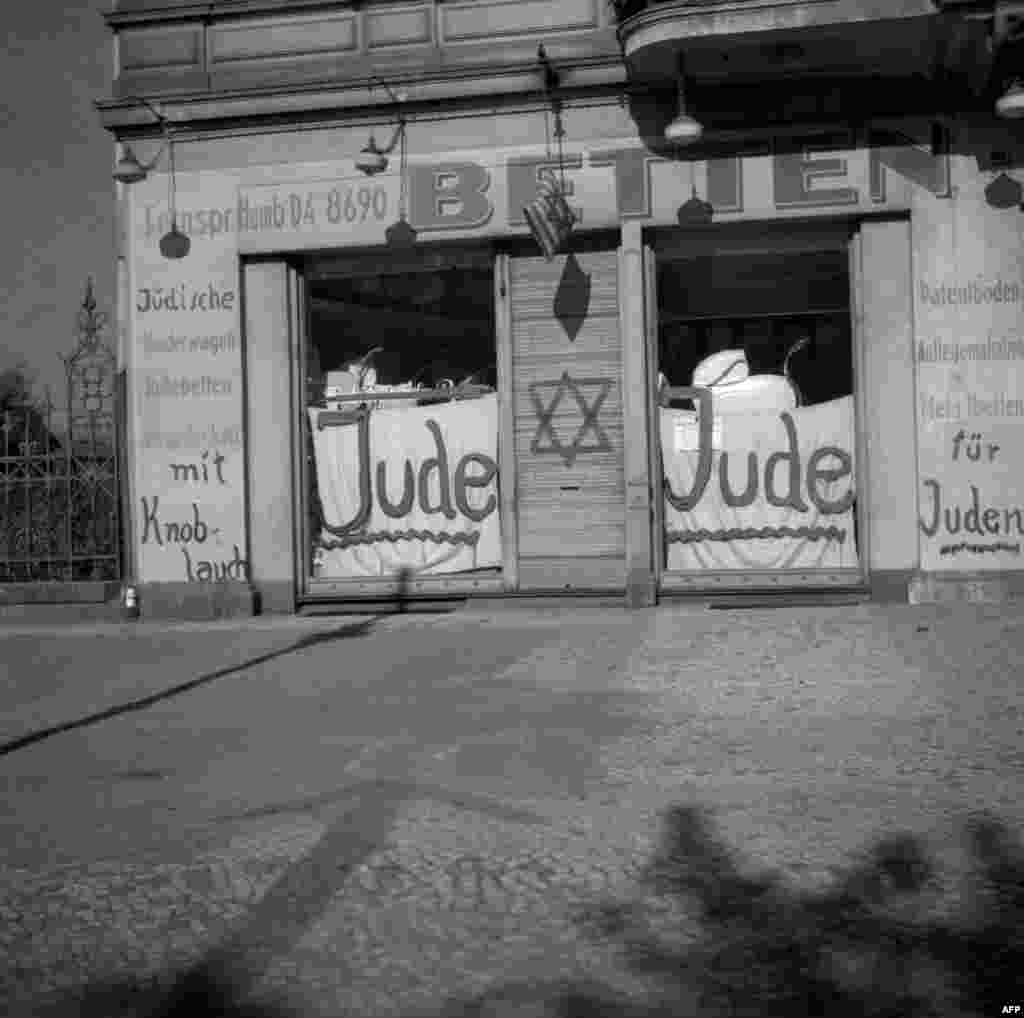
174	243
549	217
695	211
401	234
1010	105
372	159
129	170
1004	192
683	129
1005	38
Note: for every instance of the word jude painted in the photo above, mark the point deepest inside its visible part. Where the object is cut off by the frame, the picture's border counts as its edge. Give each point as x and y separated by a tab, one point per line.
786	356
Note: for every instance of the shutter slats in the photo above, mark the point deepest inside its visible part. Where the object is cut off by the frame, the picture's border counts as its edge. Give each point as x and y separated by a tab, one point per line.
538	282
593	337
568	510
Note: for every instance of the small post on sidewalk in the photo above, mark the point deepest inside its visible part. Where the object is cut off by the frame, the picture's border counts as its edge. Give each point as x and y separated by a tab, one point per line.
404	585
130	602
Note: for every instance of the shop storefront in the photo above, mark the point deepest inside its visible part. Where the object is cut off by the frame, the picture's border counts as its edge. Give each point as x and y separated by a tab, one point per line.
788	364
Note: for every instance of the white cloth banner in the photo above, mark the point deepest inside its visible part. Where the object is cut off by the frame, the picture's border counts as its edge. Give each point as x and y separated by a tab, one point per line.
774	491
425	498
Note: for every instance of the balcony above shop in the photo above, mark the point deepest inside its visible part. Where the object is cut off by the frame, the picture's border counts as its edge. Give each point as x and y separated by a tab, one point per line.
246	57
771	38
774	61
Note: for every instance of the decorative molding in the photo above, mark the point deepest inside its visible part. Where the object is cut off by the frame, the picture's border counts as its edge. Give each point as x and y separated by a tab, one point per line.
466	85
163	48
401	26
276	38
132	12
275	44
502	19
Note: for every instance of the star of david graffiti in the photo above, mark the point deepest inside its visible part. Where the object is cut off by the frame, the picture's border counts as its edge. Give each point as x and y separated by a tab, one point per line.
545	417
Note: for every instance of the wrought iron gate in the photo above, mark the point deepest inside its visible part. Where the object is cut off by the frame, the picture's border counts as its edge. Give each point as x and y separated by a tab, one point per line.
60	517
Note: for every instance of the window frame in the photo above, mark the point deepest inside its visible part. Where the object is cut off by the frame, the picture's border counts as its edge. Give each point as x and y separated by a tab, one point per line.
319	266
771	237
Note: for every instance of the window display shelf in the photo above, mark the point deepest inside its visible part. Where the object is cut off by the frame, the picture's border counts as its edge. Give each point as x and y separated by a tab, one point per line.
665	318
333	418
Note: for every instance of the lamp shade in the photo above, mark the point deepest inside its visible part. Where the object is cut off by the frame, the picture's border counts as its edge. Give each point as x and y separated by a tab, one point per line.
1004	192
128	169
371	160
683	130
400	234
1011	103
695	211
175	244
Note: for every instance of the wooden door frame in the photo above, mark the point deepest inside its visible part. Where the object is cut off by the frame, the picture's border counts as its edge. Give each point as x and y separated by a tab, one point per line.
655	470
507	494
634	317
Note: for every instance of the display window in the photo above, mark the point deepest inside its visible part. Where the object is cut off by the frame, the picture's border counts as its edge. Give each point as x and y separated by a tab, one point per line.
401	417
755	412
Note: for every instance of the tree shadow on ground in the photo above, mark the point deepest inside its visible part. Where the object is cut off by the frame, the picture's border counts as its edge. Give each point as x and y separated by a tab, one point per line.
200	992
877	942
710	939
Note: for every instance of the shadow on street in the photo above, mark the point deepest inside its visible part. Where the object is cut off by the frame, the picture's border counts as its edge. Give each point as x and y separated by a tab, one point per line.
870	944
353	629
364	627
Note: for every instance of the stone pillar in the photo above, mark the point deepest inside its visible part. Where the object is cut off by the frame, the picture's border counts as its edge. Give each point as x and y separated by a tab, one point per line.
640	584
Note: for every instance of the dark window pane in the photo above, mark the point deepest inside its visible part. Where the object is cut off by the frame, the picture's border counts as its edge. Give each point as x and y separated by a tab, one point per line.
430	325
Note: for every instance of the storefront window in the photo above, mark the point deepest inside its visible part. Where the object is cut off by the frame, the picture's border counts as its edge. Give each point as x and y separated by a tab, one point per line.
401	418
770	484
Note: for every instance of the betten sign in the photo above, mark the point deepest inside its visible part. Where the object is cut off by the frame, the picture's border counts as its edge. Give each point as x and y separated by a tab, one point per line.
607	182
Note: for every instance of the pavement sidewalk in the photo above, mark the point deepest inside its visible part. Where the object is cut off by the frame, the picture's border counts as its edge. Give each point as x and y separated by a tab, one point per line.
87	666
382	856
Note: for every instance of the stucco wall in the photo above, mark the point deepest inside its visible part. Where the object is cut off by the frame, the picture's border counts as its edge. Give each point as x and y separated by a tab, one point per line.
469	177
969	358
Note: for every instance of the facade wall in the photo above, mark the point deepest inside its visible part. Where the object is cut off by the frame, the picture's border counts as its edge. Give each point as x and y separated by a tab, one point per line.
968	292
262	44
939	274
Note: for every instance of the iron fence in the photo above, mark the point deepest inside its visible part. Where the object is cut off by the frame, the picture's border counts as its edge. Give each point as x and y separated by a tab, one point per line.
60	517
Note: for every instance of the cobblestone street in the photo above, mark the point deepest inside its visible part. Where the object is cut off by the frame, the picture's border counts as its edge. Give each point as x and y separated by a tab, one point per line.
368	823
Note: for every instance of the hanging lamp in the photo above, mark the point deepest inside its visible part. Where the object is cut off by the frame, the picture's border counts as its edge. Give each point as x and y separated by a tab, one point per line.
372	159
174	244
130	170
401	234
1010	105
1004	192
683	129
695	211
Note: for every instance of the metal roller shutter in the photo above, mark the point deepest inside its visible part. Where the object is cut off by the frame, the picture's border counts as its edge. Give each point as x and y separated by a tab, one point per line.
567	399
